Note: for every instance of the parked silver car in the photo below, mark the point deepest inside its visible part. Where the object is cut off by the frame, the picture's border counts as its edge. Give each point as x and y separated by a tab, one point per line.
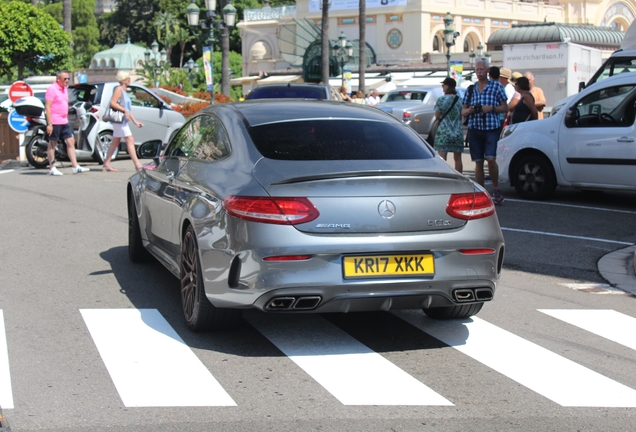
159	119
415	106
311	206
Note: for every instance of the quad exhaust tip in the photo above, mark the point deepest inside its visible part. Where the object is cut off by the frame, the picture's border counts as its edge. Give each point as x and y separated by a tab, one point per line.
293	303
466	295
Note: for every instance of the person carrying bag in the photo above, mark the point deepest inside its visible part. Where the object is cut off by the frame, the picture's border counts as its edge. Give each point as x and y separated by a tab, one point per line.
449	134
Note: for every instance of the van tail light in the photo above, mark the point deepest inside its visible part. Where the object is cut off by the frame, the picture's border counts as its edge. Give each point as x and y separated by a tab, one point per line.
406	116
273	210
469	206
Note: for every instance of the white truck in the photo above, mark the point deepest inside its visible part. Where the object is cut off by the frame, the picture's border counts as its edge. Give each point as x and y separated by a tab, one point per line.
558	67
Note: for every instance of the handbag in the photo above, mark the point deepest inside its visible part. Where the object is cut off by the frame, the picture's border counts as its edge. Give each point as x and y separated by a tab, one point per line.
114	116
431	135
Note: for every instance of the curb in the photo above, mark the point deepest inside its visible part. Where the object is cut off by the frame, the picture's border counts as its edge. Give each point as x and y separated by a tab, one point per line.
619	269
10	164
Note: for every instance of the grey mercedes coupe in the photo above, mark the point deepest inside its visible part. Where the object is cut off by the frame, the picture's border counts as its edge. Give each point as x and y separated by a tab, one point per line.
295	206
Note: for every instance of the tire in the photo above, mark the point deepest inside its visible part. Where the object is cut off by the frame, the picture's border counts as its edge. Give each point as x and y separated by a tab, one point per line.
34	153
454	312
102	143
534	177
198	312
136	250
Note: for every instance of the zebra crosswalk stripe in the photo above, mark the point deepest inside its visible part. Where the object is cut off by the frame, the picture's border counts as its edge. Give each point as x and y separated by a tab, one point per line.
6	395
150	365
551	375
346	368
610	324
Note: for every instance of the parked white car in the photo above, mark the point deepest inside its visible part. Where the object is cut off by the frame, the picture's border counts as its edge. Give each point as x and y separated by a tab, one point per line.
590	143
159	119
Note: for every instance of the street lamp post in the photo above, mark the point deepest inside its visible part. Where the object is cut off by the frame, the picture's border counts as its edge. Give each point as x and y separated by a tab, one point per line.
156	60
343	51
211	22
449	37
229	16
471	59
191	68
480	50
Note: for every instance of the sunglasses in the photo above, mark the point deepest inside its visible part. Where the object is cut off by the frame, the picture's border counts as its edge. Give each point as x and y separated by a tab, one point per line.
65	79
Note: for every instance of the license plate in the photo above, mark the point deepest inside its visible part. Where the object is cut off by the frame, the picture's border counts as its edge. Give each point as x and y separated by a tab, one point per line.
388	265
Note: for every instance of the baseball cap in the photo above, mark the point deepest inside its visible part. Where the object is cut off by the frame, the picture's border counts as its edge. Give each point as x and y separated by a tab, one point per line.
450	82
515	75
505	73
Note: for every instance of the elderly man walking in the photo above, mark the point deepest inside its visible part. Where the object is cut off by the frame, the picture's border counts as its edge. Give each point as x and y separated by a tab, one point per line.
483	103
57	127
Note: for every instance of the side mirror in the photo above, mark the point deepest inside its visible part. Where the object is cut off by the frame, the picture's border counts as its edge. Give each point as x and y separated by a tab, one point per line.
150	149
571	117
581	85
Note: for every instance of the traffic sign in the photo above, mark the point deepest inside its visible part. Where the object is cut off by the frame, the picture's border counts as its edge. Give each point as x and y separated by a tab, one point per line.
18	90
18	122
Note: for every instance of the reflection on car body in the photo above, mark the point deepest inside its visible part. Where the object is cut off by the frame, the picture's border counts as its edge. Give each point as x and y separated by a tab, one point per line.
255	211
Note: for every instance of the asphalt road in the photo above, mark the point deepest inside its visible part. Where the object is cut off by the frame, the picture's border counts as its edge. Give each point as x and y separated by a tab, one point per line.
92	342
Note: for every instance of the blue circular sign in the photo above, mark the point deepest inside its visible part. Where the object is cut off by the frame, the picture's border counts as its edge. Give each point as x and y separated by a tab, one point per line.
18	122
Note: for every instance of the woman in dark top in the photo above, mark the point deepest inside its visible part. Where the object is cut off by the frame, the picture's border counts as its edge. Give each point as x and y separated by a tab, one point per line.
526	109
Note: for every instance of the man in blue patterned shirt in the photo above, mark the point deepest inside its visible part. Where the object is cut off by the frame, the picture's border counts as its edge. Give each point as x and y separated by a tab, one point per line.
483	104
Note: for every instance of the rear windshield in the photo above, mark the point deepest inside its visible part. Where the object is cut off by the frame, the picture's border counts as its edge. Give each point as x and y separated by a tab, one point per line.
405	96
287	92
338	140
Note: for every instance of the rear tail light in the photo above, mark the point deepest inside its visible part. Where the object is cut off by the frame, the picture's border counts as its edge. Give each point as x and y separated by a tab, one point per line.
406	116
282	210
477	251
288	258
470	206
94	109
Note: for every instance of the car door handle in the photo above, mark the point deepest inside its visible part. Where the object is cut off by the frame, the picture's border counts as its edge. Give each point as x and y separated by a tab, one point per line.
625	139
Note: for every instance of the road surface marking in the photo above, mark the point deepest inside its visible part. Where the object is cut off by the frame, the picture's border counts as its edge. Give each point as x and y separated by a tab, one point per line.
6	396
594	288
149	363
567	236
551	375
349	370
606	323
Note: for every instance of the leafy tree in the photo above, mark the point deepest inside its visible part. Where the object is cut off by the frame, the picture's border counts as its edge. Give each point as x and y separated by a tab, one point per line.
131	18
31	39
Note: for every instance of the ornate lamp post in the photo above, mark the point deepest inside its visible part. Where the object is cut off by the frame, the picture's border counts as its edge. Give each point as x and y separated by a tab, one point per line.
471	59
156	60
480	50
343	51
229	17
211	22
191	68
449	37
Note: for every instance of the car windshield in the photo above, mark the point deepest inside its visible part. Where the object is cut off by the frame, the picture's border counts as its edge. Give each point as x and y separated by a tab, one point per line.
82	93
341	139
288	92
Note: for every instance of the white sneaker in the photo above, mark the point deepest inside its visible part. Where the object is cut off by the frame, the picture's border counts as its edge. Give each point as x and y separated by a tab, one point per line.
54	171
78	169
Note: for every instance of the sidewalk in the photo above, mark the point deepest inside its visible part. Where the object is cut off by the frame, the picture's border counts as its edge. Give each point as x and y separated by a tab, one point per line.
618	267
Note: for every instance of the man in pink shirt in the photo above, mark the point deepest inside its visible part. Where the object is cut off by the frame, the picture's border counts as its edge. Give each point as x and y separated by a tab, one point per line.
57	127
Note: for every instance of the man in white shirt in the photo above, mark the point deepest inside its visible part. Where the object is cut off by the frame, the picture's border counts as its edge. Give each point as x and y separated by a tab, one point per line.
374	99
504	79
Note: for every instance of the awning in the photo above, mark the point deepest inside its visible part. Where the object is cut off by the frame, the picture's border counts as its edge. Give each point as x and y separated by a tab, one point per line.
280	79
243	80
354	83
385	87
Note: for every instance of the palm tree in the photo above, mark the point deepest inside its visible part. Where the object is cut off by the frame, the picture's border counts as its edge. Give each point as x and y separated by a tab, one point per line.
181	36
362	57
68	5
166	23
325	42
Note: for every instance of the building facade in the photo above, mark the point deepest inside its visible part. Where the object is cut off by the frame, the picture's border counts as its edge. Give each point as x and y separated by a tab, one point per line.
408	33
